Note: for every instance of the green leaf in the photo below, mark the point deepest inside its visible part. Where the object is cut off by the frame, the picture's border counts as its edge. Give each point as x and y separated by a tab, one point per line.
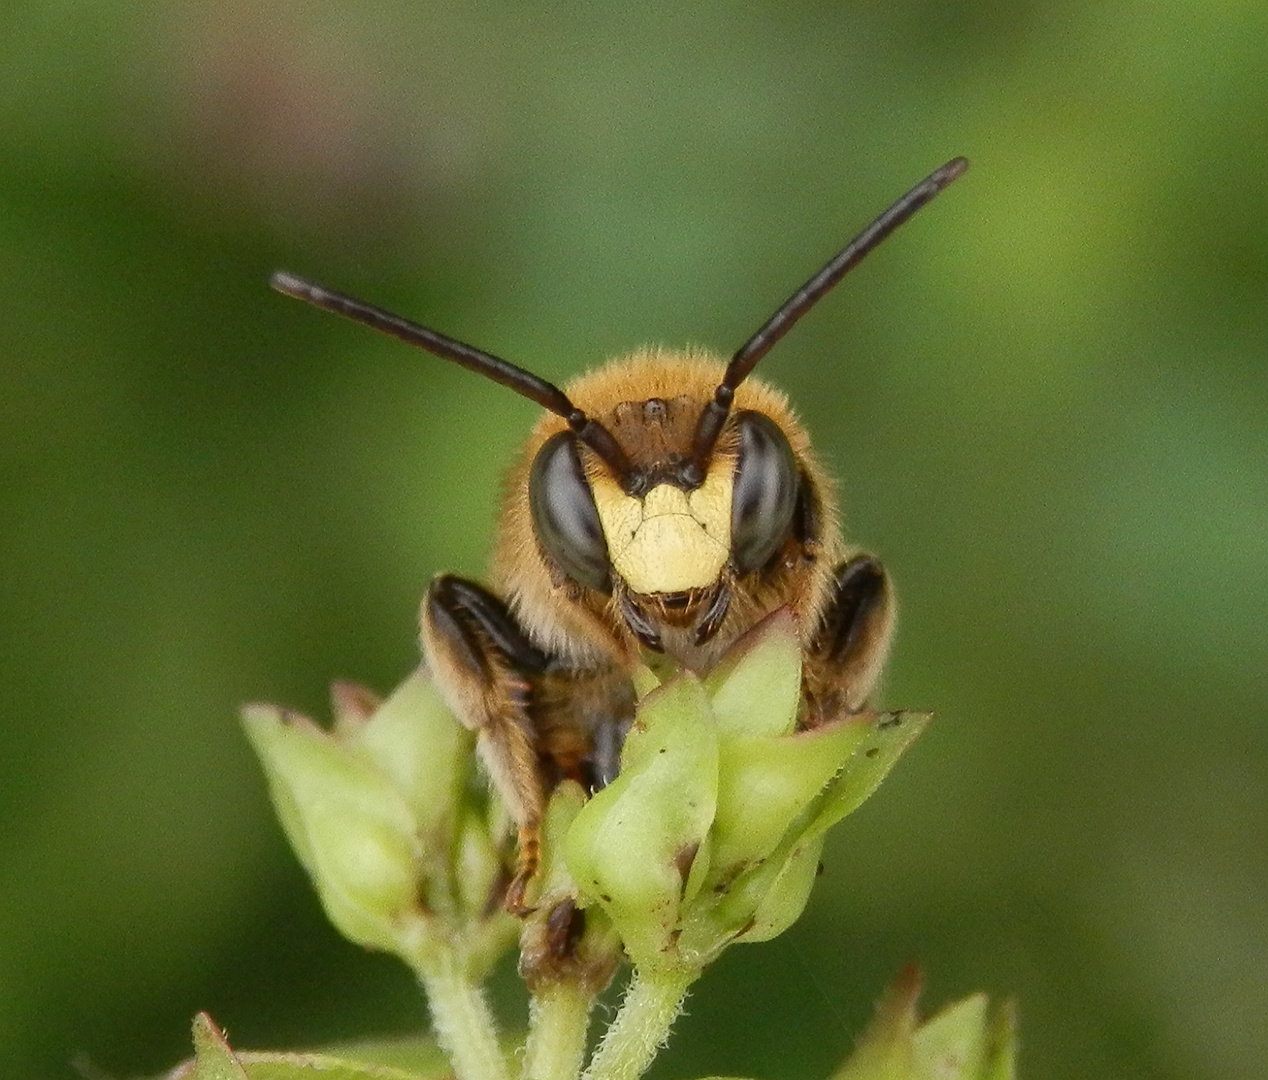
886	736
400	1059
213	1060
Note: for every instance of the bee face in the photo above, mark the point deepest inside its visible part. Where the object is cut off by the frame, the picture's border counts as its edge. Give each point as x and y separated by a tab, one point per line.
660	557
664	503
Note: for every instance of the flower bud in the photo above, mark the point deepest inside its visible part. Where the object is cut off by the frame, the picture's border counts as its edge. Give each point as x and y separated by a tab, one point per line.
765	782
965	1041
633	845
712	830
755	688
352	830
415	740
885	737
561	939
379	814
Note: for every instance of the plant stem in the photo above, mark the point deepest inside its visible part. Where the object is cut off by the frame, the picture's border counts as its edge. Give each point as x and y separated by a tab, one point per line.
651	1004
464	1025
558	1020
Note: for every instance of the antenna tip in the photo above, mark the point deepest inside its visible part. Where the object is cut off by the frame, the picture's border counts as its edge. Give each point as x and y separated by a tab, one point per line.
289	285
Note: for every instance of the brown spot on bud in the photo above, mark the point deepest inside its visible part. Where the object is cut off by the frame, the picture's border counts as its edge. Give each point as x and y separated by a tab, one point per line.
684	859
564	926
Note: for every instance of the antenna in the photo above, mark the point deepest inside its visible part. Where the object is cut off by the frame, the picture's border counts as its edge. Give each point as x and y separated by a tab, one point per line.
531	386
714	414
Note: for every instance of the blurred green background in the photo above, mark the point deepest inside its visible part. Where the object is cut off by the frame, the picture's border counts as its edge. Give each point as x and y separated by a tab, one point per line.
1046	399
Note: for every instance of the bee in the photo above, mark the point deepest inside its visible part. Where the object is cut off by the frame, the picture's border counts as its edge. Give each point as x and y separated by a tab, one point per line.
663	505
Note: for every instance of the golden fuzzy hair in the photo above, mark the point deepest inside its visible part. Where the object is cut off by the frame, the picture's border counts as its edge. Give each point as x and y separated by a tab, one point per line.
572	622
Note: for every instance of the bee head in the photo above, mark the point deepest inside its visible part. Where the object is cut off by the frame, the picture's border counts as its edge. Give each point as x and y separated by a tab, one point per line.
664	525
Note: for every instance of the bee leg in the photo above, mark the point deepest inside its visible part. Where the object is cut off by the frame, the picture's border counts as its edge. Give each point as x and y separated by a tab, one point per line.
484	667
845	658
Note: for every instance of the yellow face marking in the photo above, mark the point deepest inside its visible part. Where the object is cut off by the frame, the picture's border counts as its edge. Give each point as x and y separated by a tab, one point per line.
670	540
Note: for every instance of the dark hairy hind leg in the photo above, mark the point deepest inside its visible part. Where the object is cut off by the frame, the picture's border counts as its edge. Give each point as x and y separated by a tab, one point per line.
844	661
538	720
485	666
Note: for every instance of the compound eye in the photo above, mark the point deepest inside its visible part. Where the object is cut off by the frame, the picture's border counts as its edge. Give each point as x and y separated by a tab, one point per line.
564	515
765	492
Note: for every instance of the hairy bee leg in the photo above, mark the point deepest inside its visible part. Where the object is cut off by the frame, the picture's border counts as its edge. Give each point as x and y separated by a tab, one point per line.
483	665
846	656
609	739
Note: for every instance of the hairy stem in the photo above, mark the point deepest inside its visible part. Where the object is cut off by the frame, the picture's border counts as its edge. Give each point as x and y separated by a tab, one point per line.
558	1020
651	1004
464	1024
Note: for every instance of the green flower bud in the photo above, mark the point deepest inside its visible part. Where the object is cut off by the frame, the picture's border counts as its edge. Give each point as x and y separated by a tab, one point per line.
352	830
479	868
784	891
561	939
712	831
379	813
887	735
755	689
415	740
862	749
632	846
766	782
478	877
966	1041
